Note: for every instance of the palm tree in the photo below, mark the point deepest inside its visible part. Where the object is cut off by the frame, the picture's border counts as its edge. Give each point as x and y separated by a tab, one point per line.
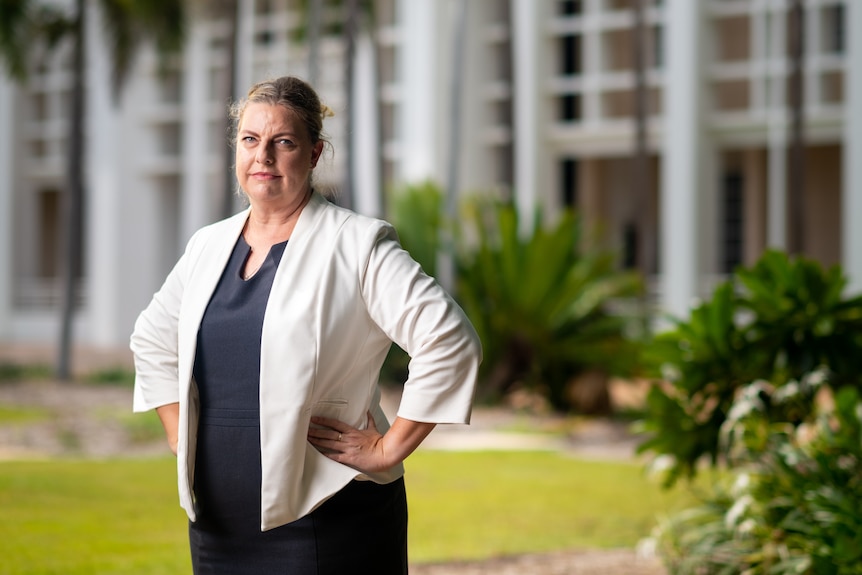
127	23
354	14
228	11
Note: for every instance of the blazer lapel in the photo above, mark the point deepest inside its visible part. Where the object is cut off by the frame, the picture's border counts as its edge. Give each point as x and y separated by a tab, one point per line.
206	270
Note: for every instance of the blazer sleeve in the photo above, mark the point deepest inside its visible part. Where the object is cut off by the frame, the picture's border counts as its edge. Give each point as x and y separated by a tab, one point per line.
154	342
415	312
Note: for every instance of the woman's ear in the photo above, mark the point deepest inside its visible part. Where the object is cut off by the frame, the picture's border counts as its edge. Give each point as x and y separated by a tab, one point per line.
315	153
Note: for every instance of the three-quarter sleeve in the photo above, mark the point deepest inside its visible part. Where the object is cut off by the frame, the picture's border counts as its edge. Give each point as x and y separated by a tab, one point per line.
154	343
417	314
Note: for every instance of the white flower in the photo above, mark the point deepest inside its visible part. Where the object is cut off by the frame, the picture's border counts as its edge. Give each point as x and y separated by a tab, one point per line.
746	526
740	485
786	391
737	510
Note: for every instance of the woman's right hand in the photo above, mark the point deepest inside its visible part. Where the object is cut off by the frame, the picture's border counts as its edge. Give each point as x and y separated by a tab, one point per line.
170	416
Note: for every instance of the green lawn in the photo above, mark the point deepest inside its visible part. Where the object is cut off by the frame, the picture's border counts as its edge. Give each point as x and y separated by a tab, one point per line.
76	517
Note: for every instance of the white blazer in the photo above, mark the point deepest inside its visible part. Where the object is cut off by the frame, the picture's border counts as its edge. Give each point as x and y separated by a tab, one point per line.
344	290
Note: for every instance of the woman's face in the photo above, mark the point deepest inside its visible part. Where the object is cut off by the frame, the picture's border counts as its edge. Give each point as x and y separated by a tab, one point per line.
274	155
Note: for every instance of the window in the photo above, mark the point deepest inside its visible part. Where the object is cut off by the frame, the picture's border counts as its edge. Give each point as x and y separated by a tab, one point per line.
834	36
569	182
731	228
570	107
170	142
570	55
49	233
630	246
571	7
658	47
170	87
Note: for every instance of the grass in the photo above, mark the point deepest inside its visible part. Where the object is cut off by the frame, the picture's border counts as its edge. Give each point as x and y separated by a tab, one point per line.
22	415
477	505
79	517
75	517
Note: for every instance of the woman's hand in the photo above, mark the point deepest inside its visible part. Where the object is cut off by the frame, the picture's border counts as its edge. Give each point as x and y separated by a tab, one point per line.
170	416
367	450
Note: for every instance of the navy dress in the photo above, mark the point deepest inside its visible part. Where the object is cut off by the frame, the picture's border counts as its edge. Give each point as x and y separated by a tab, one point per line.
362	529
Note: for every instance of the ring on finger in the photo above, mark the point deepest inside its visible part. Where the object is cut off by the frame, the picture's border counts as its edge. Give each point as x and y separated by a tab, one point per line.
339	437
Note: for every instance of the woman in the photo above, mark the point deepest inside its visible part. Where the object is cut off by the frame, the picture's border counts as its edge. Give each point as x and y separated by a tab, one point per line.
261	354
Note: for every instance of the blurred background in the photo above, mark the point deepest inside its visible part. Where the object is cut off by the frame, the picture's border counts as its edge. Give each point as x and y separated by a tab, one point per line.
687	136
647	208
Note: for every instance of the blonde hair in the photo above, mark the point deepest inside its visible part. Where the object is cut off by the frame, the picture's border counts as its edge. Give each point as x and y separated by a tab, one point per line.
292	93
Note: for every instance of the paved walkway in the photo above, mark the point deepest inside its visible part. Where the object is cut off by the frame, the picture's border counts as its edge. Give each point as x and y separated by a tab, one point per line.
491	428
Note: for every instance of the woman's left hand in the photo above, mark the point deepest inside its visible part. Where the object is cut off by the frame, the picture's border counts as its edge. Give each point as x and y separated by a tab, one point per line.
358	448
367	450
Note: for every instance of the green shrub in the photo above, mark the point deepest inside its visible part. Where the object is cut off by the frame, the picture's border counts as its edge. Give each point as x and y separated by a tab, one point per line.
783	318
119	376
416	213
15	372
541	303
793	505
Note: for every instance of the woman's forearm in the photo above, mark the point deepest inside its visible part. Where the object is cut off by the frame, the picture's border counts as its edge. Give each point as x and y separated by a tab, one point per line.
402	439
170	416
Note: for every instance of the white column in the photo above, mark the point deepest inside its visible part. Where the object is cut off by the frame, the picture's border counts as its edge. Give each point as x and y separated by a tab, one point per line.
421	90
244	48
682	157
758	35
592	49
104	162
851	241
776	220
197	194
7	194
528	80
813	39
366	141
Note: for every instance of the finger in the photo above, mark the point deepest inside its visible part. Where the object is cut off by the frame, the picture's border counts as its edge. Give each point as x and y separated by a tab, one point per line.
330	423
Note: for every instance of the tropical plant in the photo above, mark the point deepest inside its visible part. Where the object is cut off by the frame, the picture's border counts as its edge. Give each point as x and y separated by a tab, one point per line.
801	318
24	26
791	504
416	213
542	304
780	319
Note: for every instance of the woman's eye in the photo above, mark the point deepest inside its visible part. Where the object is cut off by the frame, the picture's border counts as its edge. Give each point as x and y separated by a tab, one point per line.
284	142
247	138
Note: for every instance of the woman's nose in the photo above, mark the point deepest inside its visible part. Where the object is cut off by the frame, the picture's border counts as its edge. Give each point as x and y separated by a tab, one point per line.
264	155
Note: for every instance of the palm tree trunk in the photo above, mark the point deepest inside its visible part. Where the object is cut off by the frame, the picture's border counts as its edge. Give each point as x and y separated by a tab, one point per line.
796	185
228	193
351	28
446	257
641	180
315	11
73	209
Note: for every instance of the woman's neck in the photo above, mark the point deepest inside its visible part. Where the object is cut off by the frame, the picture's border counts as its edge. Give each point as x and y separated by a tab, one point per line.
267	225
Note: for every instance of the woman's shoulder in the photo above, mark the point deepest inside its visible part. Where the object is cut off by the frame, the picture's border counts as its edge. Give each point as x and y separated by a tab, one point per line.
350	221
217	229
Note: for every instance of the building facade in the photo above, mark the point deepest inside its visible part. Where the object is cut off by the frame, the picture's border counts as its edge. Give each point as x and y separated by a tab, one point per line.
533	100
